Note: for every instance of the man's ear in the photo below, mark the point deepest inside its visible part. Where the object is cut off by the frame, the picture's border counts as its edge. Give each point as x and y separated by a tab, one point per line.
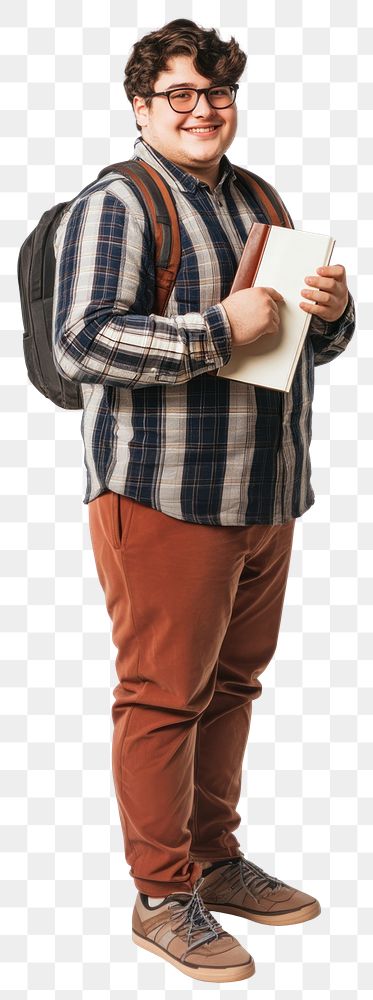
141	111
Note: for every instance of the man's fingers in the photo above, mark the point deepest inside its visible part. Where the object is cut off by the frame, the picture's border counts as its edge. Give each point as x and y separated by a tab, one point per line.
275	294
332	270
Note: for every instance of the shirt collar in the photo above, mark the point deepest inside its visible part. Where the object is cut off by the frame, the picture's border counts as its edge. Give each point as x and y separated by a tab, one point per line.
174	175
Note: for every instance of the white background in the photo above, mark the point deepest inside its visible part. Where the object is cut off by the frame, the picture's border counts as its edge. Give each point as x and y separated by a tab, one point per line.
305	123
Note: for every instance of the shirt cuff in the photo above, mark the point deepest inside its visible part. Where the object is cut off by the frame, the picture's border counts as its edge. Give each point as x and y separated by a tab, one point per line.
219	336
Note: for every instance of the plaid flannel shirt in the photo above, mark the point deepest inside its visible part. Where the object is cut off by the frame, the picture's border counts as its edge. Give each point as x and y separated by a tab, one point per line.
156	427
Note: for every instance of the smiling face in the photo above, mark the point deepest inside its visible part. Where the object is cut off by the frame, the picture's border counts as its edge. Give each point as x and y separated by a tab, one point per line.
170	132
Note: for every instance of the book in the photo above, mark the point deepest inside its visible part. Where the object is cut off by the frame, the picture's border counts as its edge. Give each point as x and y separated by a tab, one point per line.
280	258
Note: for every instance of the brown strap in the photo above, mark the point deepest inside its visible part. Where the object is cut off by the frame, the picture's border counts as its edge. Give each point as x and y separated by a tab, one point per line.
165	223
267	196
166	273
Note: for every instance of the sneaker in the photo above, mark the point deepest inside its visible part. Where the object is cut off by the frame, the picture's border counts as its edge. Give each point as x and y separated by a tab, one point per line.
181	930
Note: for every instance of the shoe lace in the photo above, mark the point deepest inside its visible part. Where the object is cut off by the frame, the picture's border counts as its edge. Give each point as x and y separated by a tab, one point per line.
194	920
254	878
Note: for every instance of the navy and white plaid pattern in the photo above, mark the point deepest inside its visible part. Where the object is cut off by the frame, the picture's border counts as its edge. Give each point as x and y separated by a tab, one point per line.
156	426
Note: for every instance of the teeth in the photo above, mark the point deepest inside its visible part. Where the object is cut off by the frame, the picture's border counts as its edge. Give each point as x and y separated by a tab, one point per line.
210	129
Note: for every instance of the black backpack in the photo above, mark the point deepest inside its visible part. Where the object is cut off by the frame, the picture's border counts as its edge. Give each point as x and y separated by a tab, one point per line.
36	265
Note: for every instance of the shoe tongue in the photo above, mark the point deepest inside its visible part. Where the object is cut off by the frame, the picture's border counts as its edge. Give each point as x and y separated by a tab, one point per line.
181	897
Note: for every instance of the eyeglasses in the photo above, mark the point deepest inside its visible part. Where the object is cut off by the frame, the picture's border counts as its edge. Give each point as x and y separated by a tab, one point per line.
181	100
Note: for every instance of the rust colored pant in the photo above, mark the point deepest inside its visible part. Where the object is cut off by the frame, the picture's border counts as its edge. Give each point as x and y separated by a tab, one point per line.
196	612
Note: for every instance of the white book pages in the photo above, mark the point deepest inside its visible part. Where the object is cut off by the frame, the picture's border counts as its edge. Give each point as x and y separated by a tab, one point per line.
289	256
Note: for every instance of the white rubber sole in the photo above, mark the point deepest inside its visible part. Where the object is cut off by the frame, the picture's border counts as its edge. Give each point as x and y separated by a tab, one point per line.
229	974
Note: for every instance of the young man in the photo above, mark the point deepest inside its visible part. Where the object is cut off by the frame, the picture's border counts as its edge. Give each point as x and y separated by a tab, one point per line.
193	483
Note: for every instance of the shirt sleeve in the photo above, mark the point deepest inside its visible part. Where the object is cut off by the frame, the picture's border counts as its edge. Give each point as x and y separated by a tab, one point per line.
330	339
103	329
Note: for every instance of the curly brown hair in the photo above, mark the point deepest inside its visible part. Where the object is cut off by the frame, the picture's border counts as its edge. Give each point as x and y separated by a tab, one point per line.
219	61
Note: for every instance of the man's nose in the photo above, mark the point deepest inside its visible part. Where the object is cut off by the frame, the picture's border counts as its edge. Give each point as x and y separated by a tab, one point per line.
202	106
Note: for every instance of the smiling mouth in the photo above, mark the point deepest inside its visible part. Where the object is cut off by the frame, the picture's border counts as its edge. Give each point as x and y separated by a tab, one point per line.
198	129
212	125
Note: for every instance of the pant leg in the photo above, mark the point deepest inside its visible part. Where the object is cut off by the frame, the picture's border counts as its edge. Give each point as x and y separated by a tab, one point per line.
169	588
222	731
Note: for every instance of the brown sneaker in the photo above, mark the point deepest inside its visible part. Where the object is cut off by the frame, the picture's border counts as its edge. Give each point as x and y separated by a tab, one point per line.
239	886
181	930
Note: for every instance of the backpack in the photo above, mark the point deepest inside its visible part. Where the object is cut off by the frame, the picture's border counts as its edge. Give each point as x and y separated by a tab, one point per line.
36	265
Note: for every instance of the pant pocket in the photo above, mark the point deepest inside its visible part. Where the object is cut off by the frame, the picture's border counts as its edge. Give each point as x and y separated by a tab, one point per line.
121	510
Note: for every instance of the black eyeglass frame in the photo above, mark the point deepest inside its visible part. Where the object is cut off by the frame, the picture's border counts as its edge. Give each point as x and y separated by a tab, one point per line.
198	91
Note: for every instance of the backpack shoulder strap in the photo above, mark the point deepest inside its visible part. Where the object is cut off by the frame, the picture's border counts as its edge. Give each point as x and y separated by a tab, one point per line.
266	196
164	220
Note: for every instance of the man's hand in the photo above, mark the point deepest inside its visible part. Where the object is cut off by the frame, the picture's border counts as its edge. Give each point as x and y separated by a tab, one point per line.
328	295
